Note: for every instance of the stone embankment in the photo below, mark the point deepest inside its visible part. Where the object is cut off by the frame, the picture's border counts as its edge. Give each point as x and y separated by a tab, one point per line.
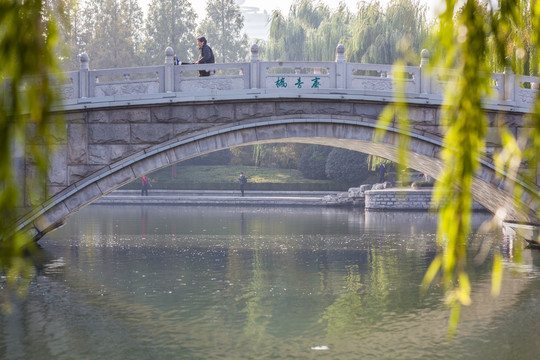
213	197
378	197
382	197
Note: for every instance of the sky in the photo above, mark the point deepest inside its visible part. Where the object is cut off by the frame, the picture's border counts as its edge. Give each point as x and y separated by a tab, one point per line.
269	6
255	29
284	5
200	5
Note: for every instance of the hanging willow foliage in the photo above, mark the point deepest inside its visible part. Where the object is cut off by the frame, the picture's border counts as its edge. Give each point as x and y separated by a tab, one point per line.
28	40
371	34
470	40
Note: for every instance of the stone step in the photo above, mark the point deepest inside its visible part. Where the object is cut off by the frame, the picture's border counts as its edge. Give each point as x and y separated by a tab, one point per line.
215	193
210	199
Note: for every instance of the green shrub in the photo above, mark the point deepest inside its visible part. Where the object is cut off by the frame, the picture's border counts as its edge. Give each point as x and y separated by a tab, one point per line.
221	157
312	163
347	166
421	184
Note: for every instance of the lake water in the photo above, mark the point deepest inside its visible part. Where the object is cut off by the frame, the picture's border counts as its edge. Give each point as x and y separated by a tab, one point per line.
169	282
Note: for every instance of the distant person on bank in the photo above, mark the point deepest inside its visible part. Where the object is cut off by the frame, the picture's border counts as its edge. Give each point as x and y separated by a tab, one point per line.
382	172
242	180
145	186
206	56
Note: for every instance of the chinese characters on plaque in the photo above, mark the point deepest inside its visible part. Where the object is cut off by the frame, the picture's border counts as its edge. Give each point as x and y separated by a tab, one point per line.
315	83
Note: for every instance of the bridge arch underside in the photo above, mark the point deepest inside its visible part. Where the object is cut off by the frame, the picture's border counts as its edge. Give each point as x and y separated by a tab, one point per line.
349	134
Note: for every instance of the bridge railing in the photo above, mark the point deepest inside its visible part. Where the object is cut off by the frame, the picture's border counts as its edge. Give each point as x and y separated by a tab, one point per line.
111	82
296	75
86	85
229	76
380	78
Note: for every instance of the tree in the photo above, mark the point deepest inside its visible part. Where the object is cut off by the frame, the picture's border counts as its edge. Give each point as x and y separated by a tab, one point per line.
287	39
71	31
297	38
282	156
29	43
377	34
113	35
169	23
312	163
222	27
221	157
311	31
347	166
333	30
243	155
514	39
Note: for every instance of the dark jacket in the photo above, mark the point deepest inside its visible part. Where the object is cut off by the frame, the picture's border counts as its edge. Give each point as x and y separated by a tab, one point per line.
206	55
242	179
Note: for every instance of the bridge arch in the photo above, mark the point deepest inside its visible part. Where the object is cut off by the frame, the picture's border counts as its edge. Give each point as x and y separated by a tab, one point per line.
344	131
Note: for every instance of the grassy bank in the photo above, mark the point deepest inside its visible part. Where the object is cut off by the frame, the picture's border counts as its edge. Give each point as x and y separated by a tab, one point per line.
226	178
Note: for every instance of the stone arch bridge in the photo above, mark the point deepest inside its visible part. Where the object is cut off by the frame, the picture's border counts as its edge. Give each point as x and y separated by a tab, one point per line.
124	123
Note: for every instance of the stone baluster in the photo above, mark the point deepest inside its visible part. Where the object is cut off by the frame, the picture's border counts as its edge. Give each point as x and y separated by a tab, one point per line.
508	81
254	67
425	78
535	85
83	76
169	70
341	68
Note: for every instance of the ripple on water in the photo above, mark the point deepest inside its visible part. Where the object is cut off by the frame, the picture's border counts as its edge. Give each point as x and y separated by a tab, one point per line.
258	283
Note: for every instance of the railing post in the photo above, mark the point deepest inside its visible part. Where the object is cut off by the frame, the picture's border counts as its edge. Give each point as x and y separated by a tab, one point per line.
425	78
254	67
169	70
83	76
509	81
341	68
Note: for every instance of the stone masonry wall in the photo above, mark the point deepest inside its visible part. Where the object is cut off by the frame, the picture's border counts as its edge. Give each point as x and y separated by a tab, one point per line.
395	199
402	199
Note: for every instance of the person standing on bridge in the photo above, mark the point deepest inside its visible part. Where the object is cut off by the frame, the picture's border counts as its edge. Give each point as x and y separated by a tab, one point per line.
206	56
242	180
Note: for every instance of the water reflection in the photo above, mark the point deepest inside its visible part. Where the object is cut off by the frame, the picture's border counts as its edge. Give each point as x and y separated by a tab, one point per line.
144	220
245	283
411	222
